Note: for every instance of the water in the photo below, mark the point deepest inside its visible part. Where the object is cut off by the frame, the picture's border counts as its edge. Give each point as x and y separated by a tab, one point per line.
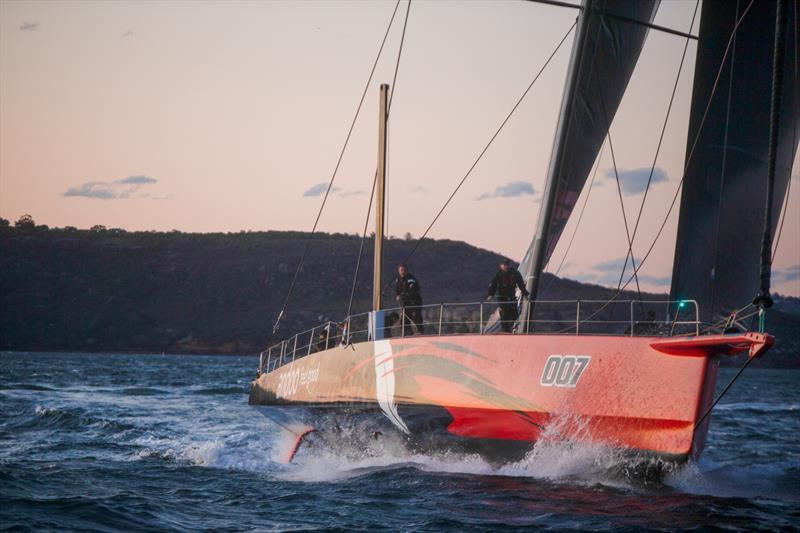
116	443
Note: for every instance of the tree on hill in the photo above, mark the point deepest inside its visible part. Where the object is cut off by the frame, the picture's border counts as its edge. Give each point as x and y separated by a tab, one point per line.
25	222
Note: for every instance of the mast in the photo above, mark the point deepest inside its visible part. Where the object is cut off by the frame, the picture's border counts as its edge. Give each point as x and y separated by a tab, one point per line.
379	204
539	245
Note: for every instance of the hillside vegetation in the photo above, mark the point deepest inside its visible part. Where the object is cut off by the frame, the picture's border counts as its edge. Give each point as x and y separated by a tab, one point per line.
65	289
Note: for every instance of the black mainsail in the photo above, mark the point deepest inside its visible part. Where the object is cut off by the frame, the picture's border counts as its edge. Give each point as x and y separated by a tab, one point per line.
609	40
723	199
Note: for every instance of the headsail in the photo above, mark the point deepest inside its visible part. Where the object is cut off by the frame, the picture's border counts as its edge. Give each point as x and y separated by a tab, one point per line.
724	190
606	49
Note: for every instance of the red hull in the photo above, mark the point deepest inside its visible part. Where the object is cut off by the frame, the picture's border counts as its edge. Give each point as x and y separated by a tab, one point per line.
638	393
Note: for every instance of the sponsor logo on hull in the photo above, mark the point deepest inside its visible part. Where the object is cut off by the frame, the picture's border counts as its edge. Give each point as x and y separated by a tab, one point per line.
292	379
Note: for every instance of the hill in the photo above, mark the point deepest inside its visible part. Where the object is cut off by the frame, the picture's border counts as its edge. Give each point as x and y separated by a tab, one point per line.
65	289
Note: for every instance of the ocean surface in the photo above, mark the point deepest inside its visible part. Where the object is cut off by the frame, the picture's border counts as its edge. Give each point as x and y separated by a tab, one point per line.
158	442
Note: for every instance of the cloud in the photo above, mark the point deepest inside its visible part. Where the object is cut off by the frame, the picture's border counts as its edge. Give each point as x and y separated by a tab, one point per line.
127	34
787	274
113	190
613	265
29	26
137	180
319	189
634	181
608	272
509	190
664	281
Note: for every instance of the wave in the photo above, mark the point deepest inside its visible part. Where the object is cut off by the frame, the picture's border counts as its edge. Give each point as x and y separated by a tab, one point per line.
73	419
143	391
27	386
752	480
758	407
212	391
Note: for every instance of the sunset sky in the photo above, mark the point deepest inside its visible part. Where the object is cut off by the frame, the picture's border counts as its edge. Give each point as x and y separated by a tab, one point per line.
227	116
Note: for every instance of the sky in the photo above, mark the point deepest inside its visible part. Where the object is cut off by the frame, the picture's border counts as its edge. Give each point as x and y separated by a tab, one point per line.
228	116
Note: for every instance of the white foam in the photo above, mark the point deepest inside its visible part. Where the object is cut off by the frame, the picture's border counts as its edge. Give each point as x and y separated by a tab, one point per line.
552	459
260	448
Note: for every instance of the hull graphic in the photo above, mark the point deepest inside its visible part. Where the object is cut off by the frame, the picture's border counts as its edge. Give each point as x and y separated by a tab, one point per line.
384	383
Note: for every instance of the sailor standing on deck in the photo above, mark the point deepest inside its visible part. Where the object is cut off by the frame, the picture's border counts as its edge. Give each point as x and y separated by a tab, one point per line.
409	297
504	285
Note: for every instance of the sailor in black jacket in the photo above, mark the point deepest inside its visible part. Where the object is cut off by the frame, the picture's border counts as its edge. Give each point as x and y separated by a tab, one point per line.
504	285
409	297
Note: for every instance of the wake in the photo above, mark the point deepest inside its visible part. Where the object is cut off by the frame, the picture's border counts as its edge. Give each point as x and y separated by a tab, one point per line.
354	454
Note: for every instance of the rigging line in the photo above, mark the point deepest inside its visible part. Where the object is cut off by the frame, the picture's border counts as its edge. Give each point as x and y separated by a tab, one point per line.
722	322
624	216
763	298
652	26
580	217
794	138
619	187
491	140
335	170
686	166
721	394
361	247
389	108
658	149
375	178
397	61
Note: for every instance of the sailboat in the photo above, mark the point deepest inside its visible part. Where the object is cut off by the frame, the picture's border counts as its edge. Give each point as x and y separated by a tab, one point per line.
595	376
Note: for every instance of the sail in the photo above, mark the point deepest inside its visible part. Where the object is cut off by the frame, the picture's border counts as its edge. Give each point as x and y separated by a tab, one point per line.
720	226
607	46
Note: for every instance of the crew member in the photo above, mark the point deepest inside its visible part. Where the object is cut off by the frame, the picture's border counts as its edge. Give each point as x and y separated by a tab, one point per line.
322	341
503	286
409	297
649	327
